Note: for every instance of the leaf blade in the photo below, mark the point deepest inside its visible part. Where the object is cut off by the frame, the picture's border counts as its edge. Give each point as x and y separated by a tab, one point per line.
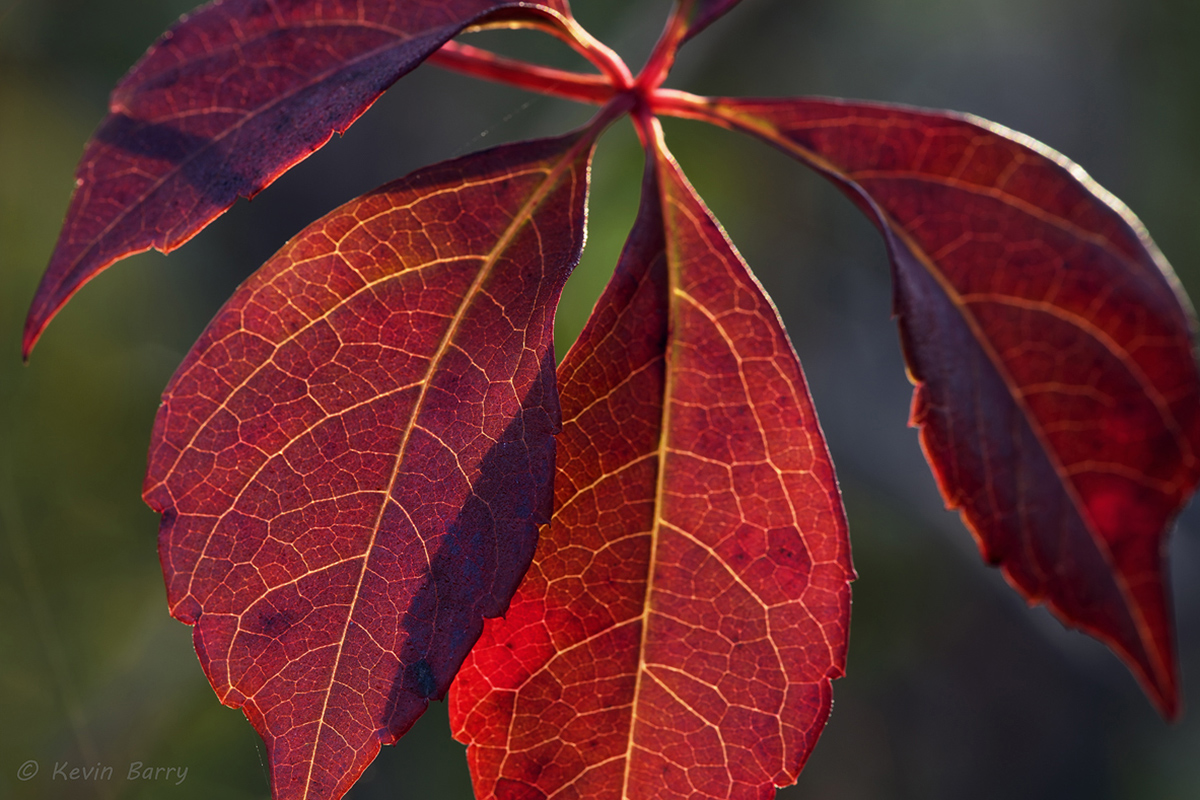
230	98
587	682
352	462
1018	239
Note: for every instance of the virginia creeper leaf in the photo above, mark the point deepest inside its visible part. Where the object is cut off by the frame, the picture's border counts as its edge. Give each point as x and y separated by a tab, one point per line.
689	603
353	460
225	102
1051	348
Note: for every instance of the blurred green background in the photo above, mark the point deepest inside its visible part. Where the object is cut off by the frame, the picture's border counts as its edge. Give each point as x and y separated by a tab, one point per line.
955	689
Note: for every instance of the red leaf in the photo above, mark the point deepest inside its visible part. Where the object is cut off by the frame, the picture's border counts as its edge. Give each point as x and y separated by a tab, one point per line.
224	103
353	460
1050	344
689	603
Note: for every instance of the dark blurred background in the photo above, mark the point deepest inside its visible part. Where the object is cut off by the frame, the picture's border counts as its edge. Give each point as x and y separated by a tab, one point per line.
955	689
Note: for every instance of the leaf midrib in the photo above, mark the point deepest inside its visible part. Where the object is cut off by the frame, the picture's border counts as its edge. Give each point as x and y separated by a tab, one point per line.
765	129
524	216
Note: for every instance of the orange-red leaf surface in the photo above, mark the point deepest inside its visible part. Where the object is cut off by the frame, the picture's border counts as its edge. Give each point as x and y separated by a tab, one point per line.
1051	348
353	460
689	603
225	102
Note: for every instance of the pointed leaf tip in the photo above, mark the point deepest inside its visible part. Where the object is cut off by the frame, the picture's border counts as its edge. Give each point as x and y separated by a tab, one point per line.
230	98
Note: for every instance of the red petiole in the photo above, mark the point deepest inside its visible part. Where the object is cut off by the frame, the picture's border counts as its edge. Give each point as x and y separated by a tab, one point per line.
662	57
596	89
481	63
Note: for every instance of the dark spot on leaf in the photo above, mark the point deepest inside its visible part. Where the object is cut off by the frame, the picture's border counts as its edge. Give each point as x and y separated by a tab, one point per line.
419	678
272	623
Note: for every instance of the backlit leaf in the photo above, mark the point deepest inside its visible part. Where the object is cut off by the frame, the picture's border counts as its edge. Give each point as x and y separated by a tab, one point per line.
224	103
689	603
1051	348
353	460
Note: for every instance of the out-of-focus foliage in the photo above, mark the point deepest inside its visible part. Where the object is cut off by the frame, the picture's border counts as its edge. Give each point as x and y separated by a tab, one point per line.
953	689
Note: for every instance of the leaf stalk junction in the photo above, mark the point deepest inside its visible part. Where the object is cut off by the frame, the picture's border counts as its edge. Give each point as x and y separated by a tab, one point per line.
615	88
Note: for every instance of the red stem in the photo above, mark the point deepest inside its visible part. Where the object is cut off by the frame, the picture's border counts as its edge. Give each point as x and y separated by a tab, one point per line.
662	58
481	63
686	105
644	123
601	55
614	109
675	103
